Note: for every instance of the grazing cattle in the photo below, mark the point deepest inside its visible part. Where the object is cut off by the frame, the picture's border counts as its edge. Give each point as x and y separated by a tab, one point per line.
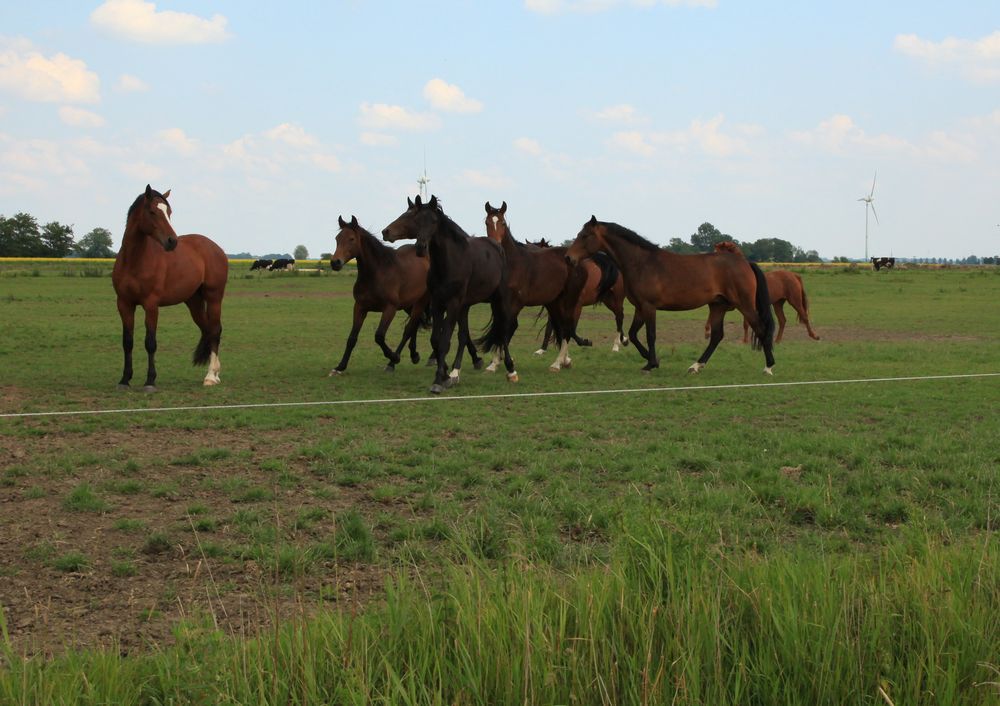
282	263
887	262
260	265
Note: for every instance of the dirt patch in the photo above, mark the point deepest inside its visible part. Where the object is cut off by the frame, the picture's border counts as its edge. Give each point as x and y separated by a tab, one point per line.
233	530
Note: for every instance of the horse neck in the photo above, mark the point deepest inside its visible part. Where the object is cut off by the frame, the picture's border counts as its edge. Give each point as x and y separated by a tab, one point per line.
368	251
629	256
135	243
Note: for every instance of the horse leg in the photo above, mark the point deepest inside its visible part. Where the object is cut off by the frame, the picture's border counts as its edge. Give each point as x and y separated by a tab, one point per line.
546	338
352	338
633	334
746	330
207	350
464	339
152	315
797	300
470	344
652	361
444	326
127	313
213	314
779	312
410	335
716	314
383	325
621	340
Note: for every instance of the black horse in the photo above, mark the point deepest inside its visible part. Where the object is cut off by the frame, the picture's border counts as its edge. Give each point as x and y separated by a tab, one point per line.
464	271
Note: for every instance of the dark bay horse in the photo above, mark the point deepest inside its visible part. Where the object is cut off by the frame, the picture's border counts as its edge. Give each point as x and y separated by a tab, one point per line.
657	279
388	280
536	278
463	271
157	268
782	286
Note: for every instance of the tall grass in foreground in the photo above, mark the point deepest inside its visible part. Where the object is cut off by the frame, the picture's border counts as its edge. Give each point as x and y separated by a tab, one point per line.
662	623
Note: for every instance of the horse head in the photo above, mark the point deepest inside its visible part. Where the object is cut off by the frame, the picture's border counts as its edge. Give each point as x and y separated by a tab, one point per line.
589	241
150	215
496	224
418	221
348	243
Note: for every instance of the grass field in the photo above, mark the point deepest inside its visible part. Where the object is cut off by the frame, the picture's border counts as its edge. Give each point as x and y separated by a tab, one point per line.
794	544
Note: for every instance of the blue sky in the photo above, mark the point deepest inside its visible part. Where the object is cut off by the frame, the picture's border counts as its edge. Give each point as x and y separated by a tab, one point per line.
268	120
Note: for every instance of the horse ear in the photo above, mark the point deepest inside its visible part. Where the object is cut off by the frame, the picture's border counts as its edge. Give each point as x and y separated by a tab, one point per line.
503	207
417	202
340	220
488	207
409	202
592	221
166	194
149	191
433	202
354	221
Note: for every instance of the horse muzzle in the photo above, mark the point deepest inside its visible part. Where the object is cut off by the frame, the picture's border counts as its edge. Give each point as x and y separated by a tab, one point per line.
336	265
570	260
170	244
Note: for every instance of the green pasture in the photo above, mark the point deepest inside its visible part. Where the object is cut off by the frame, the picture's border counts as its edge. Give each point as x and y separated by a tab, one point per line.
805	544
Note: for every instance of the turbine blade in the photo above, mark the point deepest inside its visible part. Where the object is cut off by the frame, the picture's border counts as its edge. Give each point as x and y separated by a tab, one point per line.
873	211
873	185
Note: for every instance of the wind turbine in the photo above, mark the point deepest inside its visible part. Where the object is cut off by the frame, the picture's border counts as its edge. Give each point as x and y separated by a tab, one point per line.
869	204
423	180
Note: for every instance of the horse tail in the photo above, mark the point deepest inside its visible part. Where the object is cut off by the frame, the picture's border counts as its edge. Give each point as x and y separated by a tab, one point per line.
202	351
805	300
763	306
609	272
500	327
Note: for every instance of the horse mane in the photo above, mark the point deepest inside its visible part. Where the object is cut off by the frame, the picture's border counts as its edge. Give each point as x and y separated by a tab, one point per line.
728	246
630	236
450	227
381	253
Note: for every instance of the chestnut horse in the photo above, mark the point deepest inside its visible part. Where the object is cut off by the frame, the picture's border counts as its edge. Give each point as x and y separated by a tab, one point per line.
463	271
783	286
157	268
657	279
388	280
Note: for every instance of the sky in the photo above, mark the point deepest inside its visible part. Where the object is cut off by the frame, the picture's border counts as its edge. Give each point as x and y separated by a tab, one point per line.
766	118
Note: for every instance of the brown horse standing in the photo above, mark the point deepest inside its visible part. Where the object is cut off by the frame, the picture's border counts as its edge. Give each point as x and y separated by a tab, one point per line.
658	279
783	286
157	268
388	280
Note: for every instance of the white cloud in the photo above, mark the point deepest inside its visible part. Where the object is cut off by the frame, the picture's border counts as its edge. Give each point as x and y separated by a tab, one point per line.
838	133
706	136
131	84
139	21
292	135
141	171
326	162
446	96
56	79
633	141
43	157
556	7
78	117
528	146
976	59
377	139
381	116
621	113
177	141
487	180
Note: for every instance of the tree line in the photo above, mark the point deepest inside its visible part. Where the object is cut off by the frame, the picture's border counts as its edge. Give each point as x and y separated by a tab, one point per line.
761	250
22	236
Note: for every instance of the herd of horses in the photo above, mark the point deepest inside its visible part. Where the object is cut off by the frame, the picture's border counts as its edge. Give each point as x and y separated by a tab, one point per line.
445	271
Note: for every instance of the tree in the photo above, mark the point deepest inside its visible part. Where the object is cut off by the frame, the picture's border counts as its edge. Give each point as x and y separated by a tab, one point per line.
769	250
301	252
96	243
57	239
19	236
679	246
706	237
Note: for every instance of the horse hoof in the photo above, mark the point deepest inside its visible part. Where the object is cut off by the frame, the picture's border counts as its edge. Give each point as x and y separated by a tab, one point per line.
478	364
335	372
540	351
209	382
124	386
769	371
568	363
491	368
390	368
436	389
415	358
695	368
149	388
513	377
432	362
585	342
554	368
